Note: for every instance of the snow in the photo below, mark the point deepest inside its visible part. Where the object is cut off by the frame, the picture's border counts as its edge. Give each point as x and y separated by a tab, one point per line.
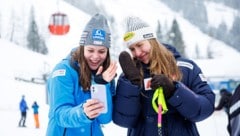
225	14
17	61
12	90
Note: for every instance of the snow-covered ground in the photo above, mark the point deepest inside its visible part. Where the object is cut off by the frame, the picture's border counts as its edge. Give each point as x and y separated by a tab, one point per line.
16	61
25	61
12	90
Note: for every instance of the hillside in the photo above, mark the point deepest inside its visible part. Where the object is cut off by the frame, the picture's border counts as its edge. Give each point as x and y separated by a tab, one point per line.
155	11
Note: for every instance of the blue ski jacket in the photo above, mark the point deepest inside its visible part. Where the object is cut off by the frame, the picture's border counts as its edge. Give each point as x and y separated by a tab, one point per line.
66	97
23	106
35	108
192	101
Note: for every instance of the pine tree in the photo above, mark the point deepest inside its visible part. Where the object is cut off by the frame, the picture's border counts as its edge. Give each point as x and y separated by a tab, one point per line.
175	38
159	32
235	31
236	27
114	49
209	52
222	31
197	52
16	32
35	42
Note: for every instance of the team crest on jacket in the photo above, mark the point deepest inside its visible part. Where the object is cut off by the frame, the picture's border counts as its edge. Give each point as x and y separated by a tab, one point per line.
59	72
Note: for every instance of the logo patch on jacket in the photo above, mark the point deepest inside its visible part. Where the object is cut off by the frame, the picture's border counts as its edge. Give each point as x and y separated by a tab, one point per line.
59	72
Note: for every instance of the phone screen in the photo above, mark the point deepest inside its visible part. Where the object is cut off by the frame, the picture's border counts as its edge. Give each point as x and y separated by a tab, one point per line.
98	91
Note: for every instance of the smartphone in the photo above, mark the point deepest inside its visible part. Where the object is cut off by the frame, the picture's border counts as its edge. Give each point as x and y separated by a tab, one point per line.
98	91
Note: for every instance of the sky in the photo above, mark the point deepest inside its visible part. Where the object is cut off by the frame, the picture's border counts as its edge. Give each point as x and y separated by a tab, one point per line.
19	62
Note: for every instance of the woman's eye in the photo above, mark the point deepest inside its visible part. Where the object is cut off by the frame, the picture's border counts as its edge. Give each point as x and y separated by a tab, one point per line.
131	49
90	51
139	45
102	51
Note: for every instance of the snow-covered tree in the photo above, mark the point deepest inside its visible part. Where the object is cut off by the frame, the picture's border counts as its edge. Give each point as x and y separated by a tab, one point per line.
234	37
175	38
222	31
159	32
197	52
209	52
35	42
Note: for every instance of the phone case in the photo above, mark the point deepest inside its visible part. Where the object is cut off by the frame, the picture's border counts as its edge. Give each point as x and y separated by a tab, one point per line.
98	91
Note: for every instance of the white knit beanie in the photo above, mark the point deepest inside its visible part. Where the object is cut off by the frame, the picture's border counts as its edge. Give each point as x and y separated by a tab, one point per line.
96	32
137	30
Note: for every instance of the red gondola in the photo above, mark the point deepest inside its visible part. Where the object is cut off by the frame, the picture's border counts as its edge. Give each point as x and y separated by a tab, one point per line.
59	24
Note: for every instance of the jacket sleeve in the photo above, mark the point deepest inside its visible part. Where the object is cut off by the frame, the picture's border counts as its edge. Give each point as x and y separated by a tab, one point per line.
193	98
63	107
126	109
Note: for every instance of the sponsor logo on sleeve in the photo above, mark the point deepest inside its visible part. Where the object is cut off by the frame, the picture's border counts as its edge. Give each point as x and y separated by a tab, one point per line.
59	72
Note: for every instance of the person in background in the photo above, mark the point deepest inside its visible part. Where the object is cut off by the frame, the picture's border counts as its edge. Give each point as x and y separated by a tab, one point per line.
224	100
188	97
35	108
234	113
73	112
23	109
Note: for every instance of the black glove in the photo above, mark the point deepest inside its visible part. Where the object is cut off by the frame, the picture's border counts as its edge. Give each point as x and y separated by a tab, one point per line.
129	68
164	82
99	79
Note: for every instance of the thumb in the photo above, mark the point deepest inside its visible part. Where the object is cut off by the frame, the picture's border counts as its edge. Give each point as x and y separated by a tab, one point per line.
100	69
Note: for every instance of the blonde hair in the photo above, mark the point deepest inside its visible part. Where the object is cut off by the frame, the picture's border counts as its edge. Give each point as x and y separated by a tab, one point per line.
162	61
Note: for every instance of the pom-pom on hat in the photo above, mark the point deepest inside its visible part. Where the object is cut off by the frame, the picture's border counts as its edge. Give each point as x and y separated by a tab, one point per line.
137	30
96	32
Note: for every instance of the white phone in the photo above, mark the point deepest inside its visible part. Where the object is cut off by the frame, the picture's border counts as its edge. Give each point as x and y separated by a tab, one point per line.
98	91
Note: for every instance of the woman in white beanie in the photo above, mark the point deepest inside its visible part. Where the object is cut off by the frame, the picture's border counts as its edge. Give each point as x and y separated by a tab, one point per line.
87	70
159	93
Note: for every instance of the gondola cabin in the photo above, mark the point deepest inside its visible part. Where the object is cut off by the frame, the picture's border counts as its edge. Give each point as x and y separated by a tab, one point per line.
59	24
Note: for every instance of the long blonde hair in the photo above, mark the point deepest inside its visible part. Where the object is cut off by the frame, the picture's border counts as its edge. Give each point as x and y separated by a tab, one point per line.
162	61
84	70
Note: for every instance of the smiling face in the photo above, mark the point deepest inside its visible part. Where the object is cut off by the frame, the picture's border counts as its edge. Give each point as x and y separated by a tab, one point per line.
95	55
141	51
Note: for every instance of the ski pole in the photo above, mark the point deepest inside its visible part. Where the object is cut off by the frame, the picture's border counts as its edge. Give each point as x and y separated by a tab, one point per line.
161	108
